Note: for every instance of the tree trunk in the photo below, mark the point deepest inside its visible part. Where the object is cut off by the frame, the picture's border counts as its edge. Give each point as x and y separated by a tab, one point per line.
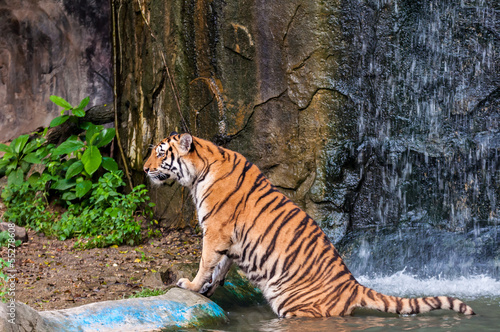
101	114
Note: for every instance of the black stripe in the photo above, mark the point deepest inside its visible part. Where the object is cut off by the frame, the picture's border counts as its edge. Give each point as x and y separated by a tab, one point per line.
451	302
290	259
283	202
258	182
222	152
273	269
399	305
240	181
383	298
412	309
335	294
370	294
272	245
180	167
301	228
348	303
424	299
417	306
269	192
295	308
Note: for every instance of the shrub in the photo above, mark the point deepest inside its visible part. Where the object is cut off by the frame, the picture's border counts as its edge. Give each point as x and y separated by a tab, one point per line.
76	177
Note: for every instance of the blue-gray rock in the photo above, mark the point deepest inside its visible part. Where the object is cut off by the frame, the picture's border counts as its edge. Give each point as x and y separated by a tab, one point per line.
177	308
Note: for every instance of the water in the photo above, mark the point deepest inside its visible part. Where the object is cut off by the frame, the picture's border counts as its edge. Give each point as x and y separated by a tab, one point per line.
428	103
482	293
423	251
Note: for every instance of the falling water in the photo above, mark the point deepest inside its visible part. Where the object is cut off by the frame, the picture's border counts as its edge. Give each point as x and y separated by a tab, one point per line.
430	120
435	110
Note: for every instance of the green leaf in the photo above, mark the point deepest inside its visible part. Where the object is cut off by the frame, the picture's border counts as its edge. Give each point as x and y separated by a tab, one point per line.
60	102
68	196
68	147
4	162
84	103
109	164
92	132
74	169
19	143
11	166
58	121
6	148
64	184
33	179
85	125
32	158
82	188
91	159
25	166
32	146
78	112
105	137
112	212
16	177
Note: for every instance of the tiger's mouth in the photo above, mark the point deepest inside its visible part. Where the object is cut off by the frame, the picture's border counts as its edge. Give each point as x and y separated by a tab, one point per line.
158	177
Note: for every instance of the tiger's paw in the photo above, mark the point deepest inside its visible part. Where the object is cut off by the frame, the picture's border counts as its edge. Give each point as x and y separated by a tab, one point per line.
185	283
206	288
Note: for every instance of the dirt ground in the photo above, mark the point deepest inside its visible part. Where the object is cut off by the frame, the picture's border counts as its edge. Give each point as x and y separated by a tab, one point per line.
51	274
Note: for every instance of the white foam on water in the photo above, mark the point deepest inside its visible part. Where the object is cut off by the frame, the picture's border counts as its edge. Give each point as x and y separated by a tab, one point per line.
405	285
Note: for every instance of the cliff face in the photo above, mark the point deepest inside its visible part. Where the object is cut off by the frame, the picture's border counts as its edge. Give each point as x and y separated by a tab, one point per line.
51	47
363	112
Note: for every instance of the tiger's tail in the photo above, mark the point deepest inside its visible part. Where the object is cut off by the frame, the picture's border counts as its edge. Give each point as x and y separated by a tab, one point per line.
409	306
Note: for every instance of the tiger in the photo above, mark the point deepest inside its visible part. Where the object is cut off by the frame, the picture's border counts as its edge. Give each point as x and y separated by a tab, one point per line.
245	220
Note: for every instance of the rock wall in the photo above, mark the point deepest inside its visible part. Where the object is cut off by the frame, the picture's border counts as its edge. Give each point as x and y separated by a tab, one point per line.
51	47
363	112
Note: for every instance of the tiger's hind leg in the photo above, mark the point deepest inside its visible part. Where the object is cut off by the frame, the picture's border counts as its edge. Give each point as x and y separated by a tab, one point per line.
218	276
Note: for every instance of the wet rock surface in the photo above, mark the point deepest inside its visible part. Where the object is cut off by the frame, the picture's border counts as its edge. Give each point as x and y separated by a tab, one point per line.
363	112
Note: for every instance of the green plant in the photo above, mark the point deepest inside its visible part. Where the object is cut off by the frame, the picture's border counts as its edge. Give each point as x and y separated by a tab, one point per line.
147	292
96	211
110	217
4	278
19	156
83	157
4	239
27	204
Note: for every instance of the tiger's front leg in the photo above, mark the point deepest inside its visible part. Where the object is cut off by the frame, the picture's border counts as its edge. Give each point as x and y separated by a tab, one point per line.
210	257
218	277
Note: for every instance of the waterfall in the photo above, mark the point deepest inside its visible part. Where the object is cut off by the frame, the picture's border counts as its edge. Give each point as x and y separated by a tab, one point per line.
429	141
430	113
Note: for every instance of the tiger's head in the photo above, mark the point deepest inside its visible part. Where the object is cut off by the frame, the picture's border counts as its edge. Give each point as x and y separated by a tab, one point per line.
169	160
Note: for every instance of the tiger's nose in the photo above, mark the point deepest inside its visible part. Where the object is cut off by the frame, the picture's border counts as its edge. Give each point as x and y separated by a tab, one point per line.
146	169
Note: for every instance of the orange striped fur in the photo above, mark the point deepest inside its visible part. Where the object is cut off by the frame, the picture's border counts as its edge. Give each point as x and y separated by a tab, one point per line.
246	220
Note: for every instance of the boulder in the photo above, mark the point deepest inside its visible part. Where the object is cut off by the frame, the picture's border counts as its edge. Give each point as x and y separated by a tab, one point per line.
18	317
178	308
19	232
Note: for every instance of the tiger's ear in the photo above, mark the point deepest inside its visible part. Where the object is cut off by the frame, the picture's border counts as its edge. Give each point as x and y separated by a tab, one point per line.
186	143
